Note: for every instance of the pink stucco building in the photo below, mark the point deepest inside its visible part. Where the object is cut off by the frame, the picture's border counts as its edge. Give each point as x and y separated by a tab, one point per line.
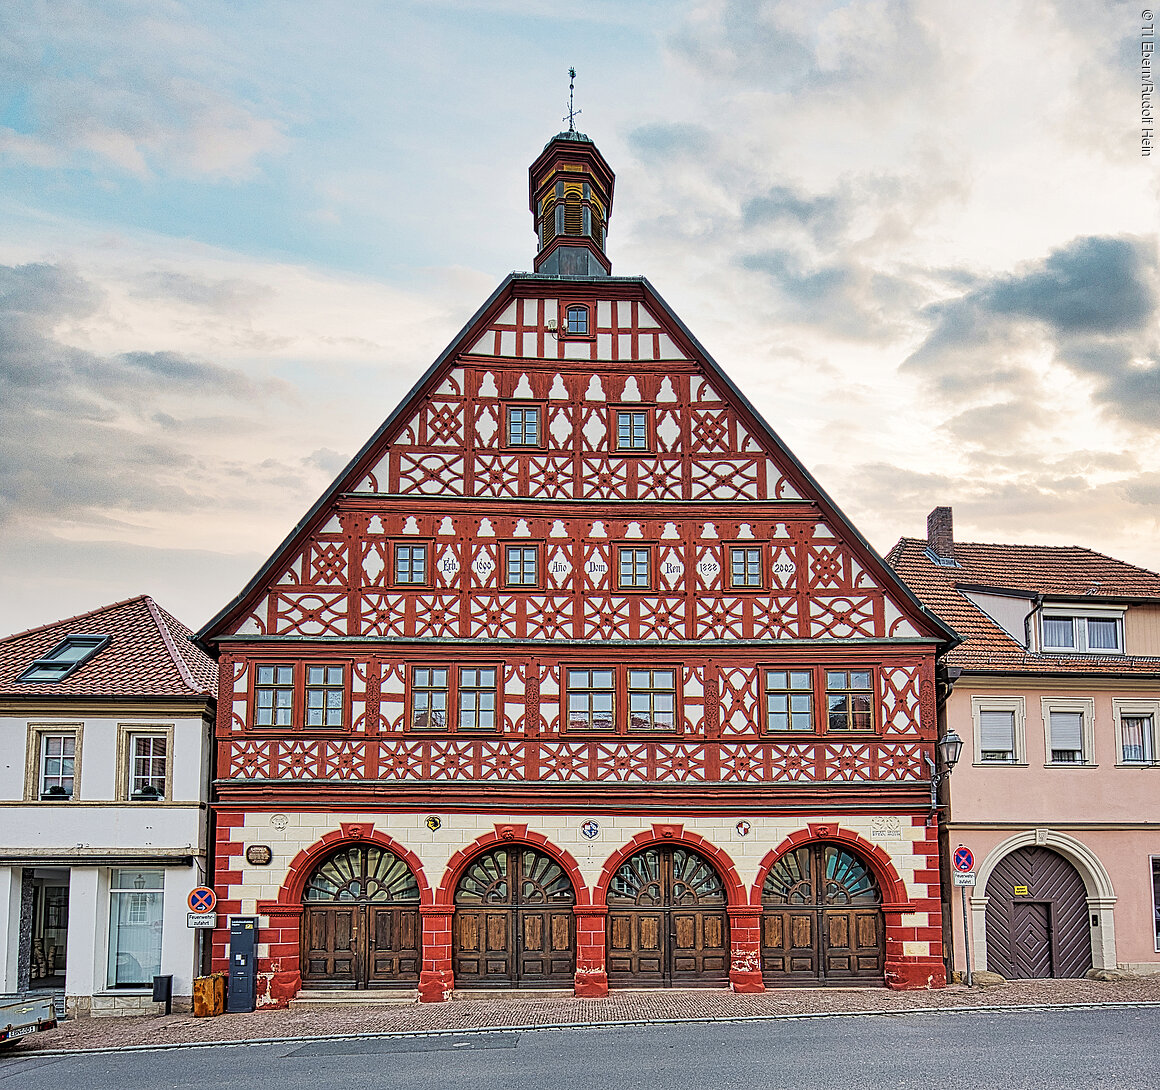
1055	691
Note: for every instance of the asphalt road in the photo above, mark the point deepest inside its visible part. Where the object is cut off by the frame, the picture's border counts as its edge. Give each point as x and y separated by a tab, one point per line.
1012	1050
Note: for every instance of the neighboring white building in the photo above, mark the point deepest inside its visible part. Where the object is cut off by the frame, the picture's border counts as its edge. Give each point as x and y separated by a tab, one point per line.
105	730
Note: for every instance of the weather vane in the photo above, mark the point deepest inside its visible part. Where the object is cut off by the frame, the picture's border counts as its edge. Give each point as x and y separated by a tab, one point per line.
572	113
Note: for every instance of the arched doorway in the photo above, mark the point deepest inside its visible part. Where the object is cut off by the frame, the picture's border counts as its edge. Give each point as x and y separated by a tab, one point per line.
514	923
360	926
667	921
822	920
1037	917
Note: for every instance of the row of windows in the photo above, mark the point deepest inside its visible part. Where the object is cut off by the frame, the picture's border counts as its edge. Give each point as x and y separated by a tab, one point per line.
523	566
145	760
1069	731
632	429
596	698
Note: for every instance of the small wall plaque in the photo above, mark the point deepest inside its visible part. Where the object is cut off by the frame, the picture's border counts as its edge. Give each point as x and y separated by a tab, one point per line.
434	824
590	830
743	828
259	855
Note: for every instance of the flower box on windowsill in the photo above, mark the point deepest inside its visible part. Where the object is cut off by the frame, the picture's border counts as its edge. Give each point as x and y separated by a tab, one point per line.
56	793
147	794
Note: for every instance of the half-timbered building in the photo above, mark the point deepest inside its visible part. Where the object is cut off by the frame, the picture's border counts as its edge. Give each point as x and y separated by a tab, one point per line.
575	677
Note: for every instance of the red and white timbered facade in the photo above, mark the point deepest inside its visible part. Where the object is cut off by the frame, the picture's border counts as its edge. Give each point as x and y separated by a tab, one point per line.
576	674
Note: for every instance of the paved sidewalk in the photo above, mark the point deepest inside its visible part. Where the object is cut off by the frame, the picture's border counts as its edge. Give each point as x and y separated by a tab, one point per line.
496	1009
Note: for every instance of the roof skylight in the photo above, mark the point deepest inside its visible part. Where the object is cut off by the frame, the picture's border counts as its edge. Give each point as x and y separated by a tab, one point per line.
64	658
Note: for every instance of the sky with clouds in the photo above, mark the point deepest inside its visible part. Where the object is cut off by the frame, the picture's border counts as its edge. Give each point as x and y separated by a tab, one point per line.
919	234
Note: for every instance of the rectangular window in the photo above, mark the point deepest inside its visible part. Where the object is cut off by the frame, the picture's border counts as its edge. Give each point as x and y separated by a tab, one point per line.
1059	632
634	568
1137	740
651	699
429	698
324	693
850	700
57	765
411	565
1156	897
1103	634
997	736
477	698
1088	635
789	700
577	319
523	566
135	921
1066	737
631	430
274	696
523	426
148	765
745	567
591	699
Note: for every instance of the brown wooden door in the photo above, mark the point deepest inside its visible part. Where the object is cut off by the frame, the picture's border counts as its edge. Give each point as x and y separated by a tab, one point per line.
360	922
667	923
514	924
331	946
1037	917
821	922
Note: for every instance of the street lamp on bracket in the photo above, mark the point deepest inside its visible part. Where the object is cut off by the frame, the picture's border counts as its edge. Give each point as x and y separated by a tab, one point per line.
947	750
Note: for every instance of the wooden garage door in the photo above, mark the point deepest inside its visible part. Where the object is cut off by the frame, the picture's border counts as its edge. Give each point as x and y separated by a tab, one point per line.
667	923
360	922
821	920
514	923
1037	917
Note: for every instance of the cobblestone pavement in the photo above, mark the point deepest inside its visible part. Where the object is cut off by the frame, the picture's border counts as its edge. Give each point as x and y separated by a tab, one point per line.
495	1009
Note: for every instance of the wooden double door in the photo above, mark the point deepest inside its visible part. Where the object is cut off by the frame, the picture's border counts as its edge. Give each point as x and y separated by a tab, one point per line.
1037	917
514	922
667	921
822	920
360	922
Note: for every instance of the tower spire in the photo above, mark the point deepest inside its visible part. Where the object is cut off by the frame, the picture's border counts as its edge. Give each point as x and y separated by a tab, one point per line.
570	191
572	113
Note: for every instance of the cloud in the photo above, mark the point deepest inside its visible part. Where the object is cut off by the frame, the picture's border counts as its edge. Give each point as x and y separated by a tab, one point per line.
1092	304
128	87
88	437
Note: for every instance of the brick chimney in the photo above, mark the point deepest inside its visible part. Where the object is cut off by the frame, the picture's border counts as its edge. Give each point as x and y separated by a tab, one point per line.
940	534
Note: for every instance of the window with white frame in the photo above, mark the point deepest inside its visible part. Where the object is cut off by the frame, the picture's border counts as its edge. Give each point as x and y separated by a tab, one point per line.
57	772
148	765
998	729
1068	736
1083	632
136	902
1136	722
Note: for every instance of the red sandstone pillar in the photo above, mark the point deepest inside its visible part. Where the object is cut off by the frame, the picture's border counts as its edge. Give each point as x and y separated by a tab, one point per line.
591	980
437	979
745	949
908	972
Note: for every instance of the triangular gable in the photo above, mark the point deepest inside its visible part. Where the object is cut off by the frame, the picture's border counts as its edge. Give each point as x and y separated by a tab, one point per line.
446	442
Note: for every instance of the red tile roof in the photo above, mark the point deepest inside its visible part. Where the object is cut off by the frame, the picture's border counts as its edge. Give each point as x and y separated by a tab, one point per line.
1054	571
149	654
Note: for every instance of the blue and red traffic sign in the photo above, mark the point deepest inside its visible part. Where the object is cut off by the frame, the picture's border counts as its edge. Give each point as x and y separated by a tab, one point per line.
964	859
202	899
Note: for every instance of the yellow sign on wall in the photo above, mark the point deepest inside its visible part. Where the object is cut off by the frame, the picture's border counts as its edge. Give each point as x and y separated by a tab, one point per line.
1020	891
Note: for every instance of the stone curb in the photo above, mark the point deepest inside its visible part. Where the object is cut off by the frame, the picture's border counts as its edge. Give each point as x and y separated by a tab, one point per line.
617	1024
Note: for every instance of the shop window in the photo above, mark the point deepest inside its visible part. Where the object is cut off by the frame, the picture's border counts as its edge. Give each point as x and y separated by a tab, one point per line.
135	922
